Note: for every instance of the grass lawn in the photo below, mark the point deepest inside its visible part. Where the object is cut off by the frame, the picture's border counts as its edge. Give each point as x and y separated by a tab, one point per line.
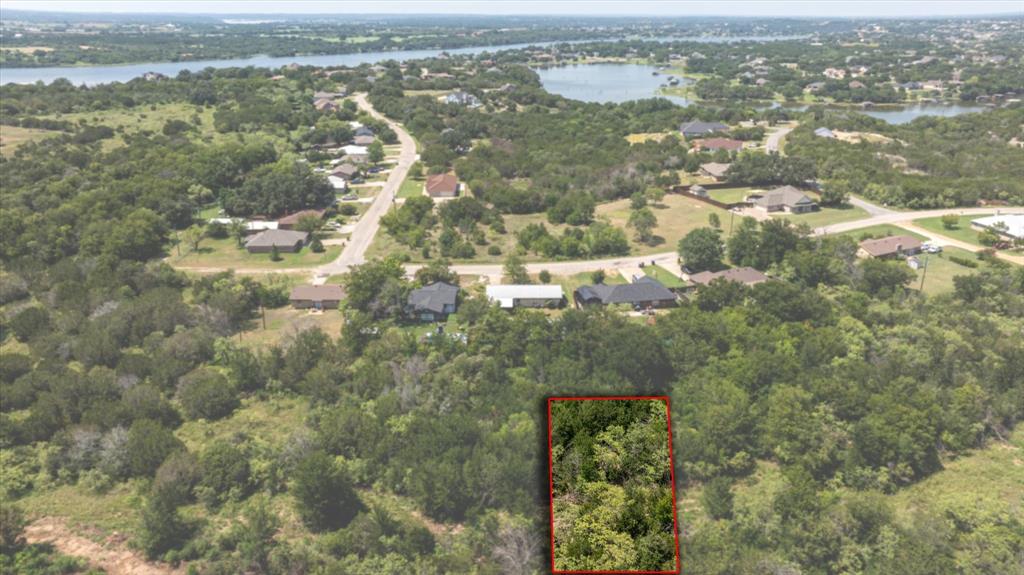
827	216
731	195
645	136
667	278
226	254
570	283
12	136
963	232
881	230
142	118
677	215
410	188
941	270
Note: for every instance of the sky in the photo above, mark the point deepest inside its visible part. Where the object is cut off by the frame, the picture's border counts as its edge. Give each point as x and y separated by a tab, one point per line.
750	8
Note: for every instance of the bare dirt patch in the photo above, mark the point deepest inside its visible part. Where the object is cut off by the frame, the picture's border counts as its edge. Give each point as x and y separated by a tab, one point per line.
112	555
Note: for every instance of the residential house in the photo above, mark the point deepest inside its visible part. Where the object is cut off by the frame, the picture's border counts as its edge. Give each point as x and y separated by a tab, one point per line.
442	186
433	302
462	99
699	191
512	296
291	220
745	275
345	171
824	133
363	140
714	170
695	128
889	246
337	183
362	130
783	199
856	85
814	87
643	293
834	73
251	227
356	158
715	144
289	241
316	297
325	105
1008	226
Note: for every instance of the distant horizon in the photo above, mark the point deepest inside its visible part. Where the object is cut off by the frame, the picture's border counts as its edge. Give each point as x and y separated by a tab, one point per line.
648	9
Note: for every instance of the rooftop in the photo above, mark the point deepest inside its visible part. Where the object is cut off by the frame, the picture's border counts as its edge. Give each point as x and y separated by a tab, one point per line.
1014	223
317	293
890	245
433	297
743	275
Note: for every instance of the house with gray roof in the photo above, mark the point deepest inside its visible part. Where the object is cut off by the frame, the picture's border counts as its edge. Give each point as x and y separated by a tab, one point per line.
695	128
289	241
824	133
783	199
744	275
643	293
433	302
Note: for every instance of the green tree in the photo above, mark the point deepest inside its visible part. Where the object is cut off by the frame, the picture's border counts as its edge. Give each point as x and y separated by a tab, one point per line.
12	528
515	270
701	249
225	474
148	445
643	222
375	152
717	498
207	394
324	497
950	221
162	527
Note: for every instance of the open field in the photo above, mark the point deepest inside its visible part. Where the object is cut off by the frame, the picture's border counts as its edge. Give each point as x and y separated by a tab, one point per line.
988	480
95	514
677	215
225	253
12	136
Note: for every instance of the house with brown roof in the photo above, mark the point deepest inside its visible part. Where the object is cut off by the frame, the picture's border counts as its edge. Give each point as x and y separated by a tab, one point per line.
442	186
715	144
889	247
783	199
345	172
316	297
714	170
291	220
744	275
325	105
288	241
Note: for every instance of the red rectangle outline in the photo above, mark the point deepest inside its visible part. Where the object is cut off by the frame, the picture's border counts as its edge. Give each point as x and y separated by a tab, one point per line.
672	475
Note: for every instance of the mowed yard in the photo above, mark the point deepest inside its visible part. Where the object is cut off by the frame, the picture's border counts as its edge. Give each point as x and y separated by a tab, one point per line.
225	253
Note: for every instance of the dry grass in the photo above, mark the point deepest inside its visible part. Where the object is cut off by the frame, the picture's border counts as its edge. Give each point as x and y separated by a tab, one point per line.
12	136
677	216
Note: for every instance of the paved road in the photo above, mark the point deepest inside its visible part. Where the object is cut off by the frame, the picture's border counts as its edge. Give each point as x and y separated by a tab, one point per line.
772	143
365	230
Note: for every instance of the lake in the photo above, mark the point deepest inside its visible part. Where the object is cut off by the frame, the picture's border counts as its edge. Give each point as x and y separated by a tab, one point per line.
91	75
625	82
607	82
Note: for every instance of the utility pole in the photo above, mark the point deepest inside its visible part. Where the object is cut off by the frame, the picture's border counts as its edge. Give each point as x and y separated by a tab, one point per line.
924	274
